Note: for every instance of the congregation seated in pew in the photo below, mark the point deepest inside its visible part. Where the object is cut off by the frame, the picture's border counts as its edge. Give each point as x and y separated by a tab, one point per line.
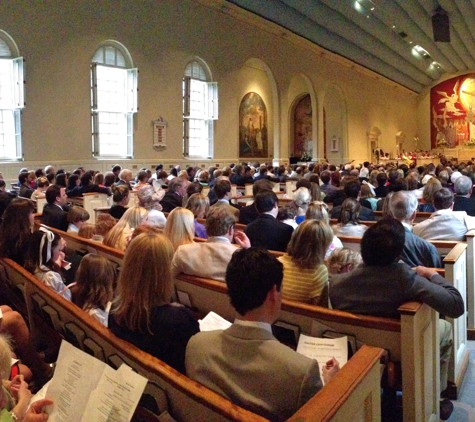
120	197
142	313
16	230
382	285
348	224
416	251
444	223
198	204
245	363
43	254
55	211
93	287
210	258
305	273
266	231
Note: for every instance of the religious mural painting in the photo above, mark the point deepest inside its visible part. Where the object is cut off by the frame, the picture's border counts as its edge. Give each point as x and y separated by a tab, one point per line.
303	128
253	126
452	113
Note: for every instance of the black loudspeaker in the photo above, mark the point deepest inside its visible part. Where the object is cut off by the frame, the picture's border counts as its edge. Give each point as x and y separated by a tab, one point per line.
441	26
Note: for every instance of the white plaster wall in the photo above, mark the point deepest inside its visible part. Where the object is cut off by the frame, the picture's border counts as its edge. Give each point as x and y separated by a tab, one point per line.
57	40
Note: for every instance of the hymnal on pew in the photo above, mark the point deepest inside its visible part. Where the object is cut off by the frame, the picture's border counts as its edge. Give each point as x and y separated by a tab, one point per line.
85	389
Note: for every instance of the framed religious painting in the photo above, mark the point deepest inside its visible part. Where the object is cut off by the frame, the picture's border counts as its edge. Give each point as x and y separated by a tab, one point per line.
253	137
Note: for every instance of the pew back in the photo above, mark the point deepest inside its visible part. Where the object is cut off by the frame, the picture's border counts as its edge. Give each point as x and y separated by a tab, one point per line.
398	337
354	388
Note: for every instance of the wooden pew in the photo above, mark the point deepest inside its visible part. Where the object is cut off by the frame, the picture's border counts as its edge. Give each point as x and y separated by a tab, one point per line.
91	201
354	390
470	303
40	203
290	186
420	216
418	326
455	264
456	272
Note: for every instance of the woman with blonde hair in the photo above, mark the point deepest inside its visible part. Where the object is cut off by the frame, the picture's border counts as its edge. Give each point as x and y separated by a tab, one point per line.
432	186
117	236
93	288
348	224
150	200
142	312
180	227
305	274
198	204
319	211
343	260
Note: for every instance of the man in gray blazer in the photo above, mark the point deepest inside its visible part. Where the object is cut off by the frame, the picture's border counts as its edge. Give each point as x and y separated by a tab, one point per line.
246	363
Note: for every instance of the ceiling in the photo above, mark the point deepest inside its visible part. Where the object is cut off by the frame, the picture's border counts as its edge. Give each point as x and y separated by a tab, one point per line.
393	38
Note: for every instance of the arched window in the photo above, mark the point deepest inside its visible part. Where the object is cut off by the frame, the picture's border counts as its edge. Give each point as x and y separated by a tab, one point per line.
11	98
200	108
113	101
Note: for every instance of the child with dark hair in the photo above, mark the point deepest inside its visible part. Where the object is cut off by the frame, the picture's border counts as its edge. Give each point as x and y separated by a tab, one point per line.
43	254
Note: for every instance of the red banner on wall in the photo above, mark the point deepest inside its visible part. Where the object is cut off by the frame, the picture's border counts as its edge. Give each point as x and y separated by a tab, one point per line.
452	117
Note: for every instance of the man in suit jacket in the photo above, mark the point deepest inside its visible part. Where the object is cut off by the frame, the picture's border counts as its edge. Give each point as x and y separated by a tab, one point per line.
55	210
417	251
246	363
174	196
266	231
249	213
222	188
383	284
209	259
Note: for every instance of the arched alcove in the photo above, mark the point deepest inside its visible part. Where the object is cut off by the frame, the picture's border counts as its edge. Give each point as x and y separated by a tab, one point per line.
373	135
302	118
255	76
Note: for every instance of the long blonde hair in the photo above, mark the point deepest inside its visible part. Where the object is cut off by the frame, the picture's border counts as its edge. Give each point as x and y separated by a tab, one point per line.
5	357
180	227
130	220
145	281
309	243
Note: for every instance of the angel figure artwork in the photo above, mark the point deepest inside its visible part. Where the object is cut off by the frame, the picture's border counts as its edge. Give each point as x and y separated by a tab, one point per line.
450	101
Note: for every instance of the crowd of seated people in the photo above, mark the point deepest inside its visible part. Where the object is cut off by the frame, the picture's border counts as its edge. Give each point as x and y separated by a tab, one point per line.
158	234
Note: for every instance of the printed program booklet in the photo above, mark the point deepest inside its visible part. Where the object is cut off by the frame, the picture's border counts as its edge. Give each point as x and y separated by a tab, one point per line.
84	389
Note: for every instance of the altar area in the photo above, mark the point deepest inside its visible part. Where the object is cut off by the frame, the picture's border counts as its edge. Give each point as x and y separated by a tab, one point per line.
460	154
